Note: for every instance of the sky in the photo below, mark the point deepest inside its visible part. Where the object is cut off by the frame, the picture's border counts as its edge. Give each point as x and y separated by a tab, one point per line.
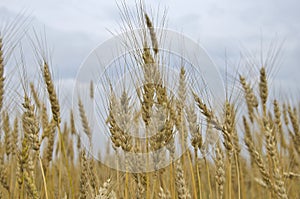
225	29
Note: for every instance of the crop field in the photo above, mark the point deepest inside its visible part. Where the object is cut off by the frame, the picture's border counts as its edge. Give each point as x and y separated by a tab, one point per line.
151	125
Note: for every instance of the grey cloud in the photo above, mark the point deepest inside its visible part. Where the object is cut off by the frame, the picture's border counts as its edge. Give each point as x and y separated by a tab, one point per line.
217	25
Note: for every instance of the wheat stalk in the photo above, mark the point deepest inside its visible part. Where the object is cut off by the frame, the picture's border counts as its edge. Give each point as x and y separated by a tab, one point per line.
2	78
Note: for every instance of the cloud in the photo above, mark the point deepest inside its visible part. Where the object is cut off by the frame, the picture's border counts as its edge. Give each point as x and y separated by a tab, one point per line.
75	27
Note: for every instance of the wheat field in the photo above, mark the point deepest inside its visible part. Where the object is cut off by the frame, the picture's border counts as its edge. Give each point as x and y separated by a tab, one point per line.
255	153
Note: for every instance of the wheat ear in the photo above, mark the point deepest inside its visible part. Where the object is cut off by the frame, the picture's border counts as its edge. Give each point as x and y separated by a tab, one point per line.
52	94
1	74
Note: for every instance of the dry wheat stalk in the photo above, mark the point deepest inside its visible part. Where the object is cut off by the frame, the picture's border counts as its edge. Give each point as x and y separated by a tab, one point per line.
296	129
35	95
84	182
2	78
169	133
48	152
180	107
152	34
30	124
30	186
7	133
160	125
285	114
256	156
91	174
147	99
263	89
124	121
78	142
196	139
220	171
182	189
277	113
92	89
203	108
250	97
15	137
278	185
118	120
3	177
114	129
84	121
44	117
22	162
52	94
72	123
231	139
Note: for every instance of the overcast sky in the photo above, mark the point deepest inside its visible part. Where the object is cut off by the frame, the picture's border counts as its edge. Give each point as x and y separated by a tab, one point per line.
74	28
